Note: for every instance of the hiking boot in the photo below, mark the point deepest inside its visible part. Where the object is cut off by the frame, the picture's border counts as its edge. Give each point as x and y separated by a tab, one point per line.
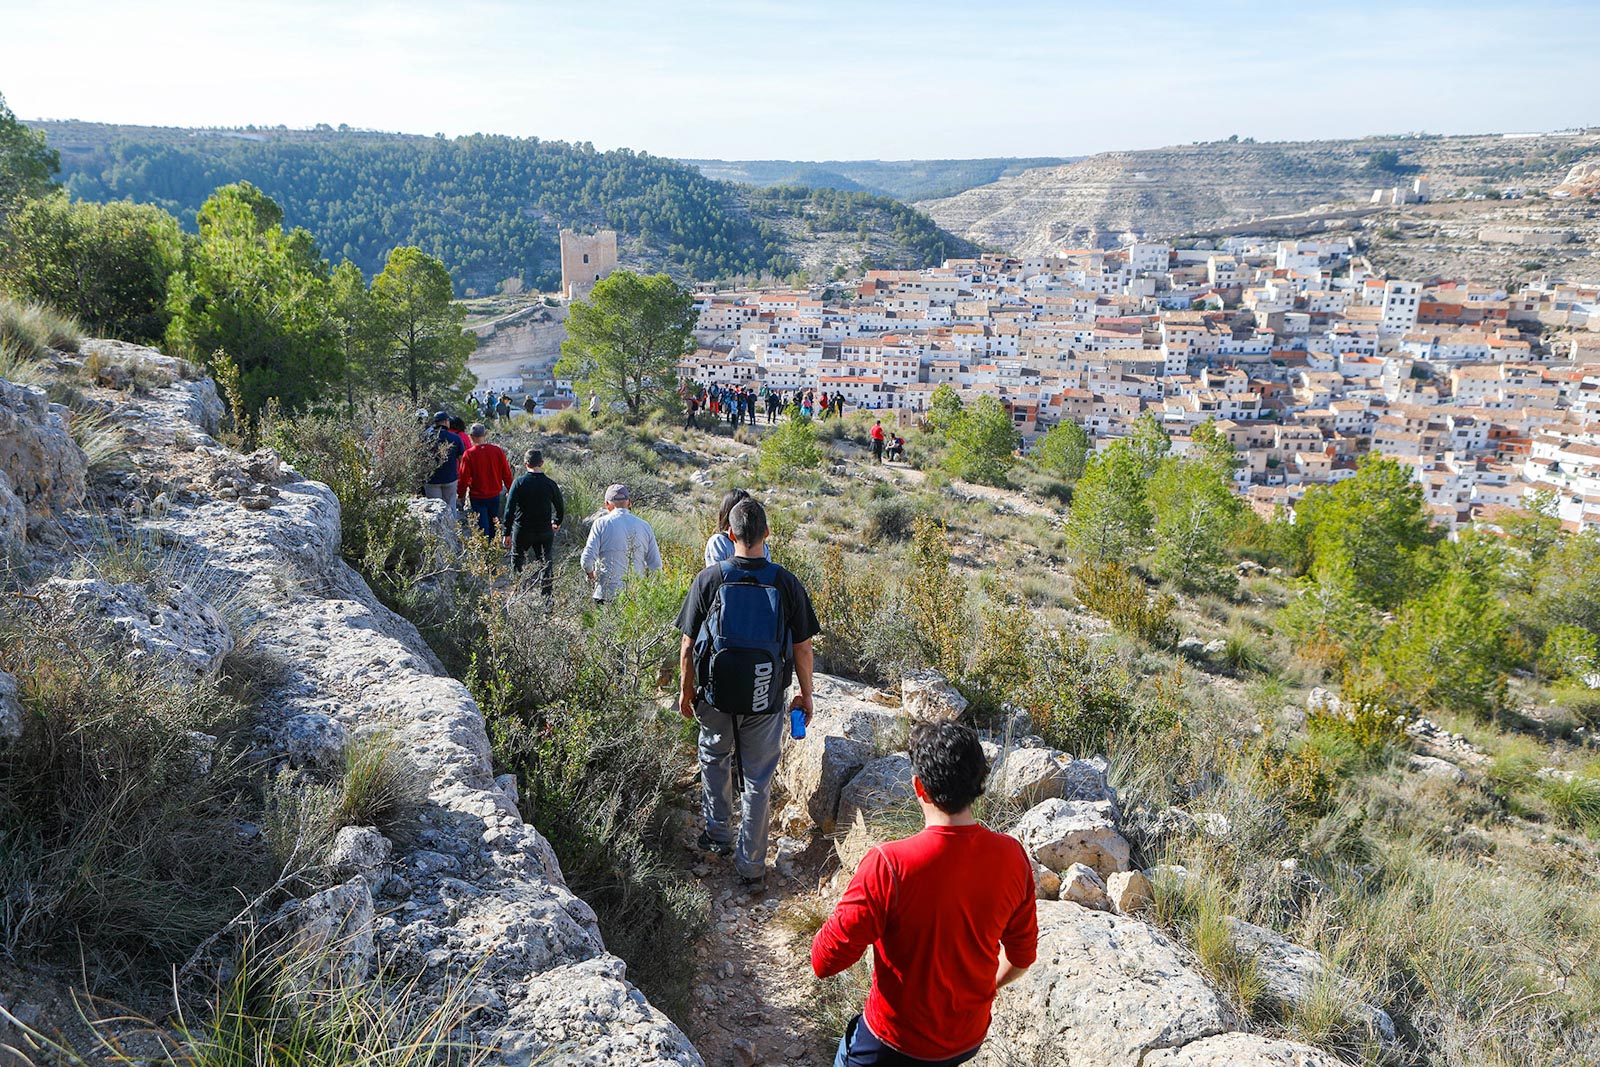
717	848
753	883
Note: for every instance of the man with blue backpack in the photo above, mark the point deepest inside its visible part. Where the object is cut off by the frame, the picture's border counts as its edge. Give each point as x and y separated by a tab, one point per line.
747	626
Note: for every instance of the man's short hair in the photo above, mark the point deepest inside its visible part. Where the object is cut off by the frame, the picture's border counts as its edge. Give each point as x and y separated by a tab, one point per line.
949	760
747	522
533	457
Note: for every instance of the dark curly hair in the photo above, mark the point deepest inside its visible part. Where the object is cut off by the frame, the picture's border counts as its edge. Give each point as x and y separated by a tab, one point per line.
949	760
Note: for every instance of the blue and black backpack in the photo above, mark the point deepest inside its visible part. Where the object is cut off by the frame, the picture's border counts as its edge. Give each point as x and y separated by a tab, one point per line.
744	655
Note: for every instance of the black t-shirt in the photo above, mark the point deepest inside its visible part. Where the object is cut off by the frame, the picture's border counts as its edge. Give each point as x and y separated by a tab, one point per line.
533	504
803	625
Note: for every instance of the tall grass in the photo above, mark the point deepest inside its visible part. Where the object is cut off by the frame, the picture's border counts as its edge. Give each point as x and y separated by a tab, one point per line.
33	330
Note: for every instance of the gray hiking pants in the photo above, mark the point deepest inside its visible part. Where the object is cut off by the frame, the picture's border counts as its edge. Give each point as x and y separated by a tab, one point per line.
760	740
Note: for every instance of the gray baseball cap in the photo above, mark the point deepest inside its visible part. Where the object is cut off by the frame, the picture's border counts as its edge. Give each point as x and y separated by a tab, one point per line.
617	494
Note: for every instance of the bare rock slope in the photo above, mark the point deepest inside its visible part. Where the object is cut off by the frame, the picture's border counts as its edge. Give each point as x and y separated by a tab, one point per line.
1166	192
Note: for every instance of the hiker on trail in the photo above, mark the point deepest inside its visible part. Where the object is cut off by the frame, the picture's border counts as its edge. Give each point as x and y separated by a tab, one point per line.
458	426
485	475
446	449
747	625
528	404
896	451
720	546
534	512
594	404
774	405
690	406
949	913
838	404
503	409
619	544
877	441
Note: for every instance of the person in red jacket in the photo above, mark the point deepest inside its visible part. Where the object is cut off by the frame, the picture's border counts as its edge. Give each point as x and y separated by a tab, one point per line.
485	476
949	913
877	441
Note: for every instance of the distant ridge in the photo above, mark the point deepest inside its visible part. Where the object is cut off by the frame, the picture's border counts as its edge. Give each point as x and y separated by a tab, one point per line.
904	179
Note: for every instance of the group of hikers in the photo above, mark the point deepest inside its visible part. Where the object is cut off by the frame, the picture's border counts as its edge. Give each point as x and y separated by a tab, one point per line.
738	405
948	912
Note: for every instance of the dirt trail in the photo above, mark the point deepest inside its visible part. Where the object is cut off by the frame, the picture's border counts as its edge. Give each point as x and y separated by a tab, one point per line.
751	996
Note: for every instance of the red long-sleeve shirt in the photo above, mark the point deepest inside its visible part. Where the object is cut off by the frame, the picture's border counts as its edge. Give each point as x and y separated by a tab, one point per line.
485	472
935	907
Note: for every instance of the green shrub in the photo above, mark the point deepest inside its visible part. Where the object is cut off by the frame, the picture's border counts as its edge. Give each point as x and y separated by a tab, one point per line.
1115	593
1366	723
1302	779
789	448
890	520
1573	801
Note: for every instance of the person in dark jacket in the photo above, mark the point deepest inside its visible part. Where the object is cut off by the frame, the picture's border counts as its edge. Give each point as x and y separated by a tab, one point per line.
446	449
534	512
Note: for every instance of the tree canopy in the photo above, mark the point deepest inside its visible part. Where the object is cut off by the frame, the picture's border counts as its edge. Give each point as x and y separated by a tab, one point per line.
1371	526
27	163
426	349
1110	517
625	341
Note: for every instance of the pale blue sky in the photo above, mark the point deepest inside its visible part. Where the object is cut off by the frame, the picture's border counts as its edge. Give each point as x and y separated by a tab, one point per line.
816	80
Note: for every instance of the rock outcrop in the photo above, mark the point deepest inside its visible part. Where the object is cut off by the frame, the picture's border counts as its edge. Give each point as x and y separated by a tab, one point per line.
42	470
471	893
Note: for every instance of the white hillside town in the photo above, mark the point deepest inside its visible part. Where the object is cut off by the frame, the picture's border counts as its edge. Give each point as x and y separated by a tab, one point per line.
1298	350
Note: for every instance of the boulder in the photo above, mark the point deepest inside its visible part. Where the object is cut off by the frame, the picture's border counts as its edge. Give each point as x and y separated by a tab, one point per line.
815	770
1293	973
360	851
1241	1050
1059	833
330	937
43	466
880	785
10	709
1434	767
1106	990
1032	775
316	741
1129	892
928	696
164	624
1082	886
1046	883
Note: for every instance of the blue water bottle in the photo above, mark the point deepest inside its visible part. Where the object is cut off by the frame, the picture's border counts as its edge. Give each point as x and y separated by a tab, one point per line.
797	723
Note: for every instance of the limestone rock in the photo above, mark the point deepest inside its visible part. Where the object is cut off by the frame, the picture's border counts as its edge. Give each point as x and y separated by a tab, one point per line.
1129	892
1082	886
1032	775
1046	883
1106	990
1292	973
815	770
1241	1050
880	785
10	709
314	740
1434	767
928	696
42	464
168	625
1059	833
331	935
360	851
13	521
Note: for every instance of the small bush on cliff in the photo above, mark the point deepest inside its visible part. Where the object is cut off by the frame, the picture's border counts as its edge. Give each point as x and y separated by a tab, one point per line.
34	329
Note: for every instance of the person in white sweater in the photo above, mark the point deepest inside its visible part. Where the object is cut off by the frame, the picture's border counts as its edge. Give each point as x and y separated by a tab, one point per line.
620	543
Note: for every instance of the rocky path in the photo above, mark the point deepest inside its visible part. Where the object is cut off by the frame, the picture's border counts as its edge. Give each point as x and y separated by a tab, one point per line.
750	1001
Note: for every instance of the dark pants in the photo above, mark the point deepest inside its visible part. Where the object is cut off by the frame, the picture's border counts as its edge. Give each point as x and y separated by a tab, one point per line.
877	450
860	1047
543	552
488	511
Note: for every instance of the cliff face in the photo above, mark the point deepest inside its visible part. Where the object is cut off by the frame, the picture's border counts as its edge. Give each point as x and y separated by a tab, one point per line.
472	894
1182	189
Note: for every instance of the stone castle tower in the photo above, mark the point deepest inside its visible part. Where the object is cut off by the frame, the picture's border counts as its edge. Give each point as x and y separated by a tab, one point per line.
585	259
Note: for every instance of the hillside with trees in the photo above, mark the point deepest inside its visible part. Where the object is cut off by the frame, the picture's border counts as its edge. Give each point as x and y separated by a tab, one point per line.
491	208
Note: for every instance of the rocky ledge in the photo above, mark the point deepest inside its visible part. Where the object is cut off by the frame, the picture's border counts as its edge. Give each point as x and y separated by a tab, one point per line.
472	897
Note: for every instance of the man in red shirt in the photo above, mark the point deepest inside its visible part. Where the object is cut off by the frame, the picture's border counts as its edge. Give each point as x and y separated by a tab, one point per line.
877	441
485	476
949	913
